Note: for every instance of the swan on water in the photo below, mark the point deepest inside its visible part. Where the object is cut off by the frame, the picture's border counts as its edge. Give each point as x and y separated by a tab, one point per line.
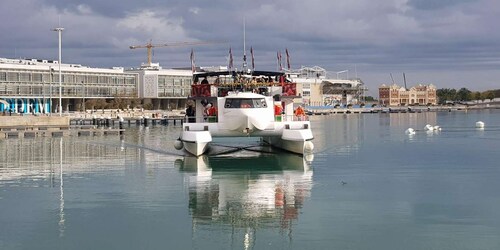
479	124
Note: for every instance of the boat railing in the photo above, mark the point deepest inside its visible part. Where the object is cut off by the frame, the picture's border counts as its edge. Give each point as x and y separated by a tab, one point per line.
201	119
221	90
289	118
214	119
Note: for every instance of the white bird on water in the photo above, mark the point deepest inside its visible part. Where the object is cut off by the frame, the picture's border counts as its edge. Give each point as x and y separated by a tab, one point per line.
479	124
432	128
410	131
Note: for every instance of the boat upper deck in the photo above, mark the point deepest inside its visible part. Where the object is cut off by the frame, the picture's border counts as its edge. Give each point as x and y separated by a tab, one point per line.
219	84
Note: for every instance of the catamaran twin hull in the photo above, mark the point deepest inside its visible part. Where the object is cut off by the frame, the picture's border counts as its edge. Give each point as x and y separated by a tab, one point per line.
247	114
292	136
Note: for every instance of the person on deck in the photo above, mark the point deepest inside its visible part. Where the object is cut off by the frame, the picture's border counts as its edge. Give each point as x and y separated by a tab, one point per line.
277	112
191	113
205	111
299	113
212	113
204	81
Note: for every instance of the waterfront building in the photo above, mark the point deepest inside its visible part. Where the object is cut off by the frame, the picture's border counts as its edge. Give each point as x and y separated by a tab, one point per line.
32	86
394	95
317	88
163	88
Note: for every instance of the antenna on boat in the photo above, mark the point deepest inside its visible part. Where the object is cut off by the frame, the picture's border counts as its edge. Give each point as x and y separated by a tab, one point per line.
244	46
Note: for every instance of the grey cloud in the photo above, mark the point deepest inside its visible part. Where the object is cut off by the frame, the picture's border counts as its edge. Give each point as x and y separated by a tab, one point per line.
377	36
436	4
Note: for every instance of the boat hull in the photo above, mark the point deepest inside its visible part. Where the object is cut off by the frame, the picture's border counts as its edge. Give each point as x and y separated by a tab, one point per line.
296	140
246	114
196	148
298	146
196	142
291	136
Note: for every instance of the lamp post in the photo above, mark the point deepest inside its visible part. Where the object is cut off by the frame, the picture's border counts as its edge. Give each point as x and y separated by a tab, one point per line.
83	98
59	31
50	89
44	110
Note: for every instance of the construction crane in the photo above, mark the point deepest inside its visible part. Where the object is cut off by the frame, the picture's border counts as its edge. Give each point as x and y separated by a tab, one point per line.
149	46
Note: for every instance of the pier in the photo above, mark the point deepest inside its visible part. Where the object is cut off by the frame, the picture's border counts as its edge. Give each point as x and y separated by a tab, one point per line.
56	131
329	110
29	126
114	121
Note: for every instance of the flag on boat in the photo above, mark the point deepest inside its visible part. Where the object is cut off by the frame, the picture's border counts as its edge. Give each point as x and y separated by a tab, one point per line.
287	59
230	66
193	65
253	61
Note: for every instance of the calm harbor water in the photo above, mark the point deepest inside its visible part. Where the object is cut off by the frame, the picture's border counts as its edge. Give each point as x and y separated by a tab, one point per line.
367	186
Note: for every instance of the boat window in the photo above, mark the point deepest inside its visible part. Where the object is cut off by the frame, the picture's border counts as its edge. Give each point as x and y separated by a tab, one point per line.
245	103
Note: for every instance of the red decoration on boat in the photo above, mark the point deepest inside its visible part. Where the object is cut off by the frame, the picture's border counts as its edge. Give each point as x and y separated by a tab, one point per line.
289	89
200	90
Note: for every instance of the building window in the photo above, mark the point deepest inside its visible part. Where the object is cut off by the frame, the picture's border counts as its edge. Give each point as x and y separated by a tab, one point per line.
13	77
177	82
37	77
25	77
161	80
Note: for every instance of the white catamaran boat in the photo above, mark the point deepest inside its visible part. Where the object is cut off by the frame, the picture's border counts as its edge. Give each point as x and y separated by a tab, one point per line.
257	104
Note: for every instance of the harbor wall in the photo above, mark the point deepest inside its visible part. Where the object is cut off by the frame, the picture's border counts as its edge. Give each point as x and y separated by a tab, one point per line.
33	121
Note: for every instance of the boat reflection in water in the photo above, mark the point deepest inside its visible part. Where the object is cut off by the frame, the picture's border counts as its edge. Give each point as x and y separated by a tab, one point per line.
246	192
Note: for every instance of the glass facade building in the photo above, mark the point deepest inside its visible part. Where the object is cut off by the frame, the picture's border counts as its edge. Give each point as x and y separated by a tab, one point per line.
32	86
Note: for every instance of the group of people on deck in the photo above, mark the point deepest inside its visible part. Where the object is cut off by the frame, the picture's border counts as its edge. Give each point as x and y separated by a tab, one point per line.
298	113
205	80
243	80
209	112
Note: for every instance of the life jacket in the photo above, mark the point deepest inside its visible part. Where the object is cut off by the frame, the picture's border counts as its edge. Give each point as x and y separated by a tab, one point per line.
212	111
277	110
299	111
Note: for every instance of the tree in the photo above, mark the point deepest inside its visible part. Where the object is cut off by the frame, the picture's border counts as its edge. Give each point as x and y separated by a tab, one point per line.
91	103
483	96
148	106
453	95
370	99
464	95
490	95
476	96
134	103
445	95
101	104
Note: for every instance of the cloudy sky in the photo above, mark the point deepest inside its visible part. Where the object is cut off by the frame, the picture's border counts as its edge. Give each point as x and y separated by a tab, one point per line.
450	43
